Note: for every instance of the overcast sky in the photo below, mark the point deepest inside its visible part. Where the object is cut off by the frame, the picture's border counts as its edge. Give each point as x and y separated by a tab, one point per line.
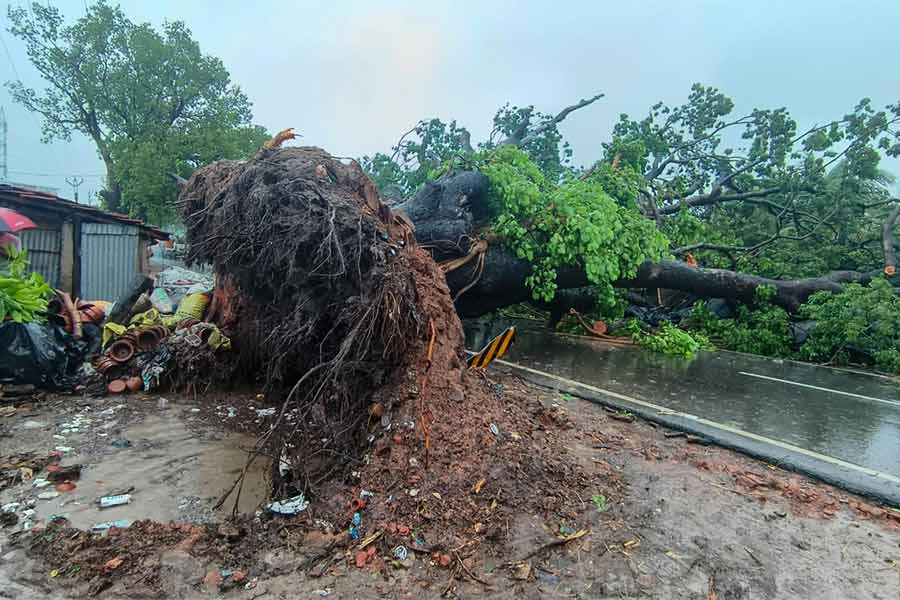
352	76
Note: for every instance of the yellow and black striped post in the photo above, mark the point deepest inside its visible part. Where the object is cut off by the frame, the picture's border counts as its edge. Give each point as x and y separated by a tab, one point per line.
494	350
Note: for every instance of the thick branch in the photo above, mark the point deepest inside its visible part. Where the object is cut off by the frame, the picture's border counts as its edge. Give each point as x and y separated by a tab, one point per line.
715	197
522	136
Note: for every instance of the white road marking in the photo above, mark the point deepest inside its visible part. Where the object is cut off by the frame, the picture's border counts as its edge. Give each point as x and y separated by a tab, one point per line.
822	389
753	436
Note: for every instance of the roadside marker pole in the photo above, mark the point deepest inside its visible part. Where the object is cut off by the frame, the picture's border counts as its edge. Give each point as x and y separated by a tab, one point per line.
495	349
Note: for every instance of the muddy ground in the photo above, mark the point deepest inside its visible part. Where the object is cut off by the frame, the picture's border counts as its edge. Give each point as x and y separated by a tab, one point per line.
676	519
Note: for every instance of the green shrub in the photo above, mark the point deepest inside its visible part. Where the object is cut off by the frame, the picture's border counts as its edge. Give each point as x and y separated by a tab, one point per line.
763	329
865	318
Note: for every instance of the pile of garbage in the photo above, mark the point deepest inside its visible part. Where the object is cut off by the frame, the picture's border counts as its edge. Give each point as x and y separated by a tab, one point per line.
159	338
166	345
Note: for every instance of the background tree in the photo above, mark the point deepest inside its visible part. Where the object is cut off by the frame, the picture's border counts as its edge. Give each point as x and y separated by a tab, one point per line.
150	100
423	152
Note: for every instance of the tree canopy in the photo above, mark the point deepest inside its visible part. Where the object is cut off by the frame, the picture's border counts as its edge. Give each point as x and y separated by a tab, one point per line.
150	100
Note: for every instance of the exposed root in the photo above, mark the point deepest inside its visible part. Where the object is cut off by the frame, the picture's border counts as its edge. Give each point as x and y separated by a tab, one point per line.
322	276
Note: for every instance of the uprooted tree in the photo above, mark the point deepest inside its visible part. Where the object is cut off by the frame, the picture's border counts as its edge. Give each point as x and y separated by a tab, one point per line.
350	326
753	197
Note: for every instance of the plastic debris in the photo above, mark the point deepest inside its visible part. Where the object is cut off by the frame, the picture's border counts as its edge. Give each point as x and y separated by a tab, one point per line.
48	495
40	483
113	564
357	519
107	525
353	532
108	501
495	430
291	506
64	449
322	593
400	552
121	443
11	507
265	412
366	494
161	301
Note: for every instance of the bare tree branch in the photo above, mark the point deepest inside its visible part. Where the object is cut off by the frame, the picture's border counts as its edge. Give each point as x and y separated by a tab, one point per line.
715	198
522	135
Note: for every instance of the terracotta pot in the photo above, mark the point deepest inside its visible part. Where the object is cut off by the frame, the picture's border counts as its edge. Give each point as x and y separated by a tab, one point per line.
134	384
65	486
104	363
90	313
147	339
116	386
121	350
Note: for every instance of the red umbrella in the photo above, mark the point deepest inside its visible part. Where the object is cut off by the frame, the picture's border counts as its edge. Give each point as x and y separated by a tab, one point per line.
11	221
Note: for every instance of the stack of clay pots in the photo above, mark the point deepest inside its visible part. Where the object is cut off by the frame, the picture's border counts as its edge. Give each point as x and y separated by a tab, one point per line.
123	349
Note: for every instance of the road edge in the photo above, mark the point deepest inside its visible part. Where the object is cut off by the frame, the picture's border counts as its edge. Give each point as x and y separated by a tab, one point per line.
859	480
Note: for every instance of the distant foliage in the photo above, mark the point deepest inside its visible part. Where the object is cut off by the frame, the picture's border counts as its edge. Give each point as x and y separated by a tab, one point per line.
862	319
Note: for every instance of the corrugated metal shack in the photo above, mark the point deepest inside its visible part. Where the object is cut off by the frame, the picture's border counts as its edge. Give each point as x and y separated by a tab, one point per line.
91	253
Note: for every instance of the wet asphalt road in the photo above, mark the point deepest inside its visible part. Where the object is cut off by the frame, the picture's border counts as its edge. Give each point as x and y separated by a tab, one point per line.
853	417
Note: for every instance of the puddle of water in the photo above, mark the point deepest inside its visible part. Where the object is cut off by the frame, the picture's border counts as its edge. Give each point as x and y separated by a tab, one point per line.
178	475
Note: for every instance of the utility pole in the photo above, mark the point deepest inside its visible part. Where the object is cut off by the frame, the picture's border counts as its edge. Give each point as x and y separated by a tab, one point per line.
4	173
75	182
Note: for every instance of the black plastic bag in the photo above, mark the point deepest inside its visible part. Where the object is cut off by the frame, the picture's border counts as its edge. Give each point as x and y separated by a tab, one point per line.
36	353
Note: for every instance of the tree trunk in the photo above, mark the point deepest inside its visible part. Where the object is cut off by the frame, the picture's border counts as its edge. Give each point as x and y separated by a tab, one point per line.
112	195
450	213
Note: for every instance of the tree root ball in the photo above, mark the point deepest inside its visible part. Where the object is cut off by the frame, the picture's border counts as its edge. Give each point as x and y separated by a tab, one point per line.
331	303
